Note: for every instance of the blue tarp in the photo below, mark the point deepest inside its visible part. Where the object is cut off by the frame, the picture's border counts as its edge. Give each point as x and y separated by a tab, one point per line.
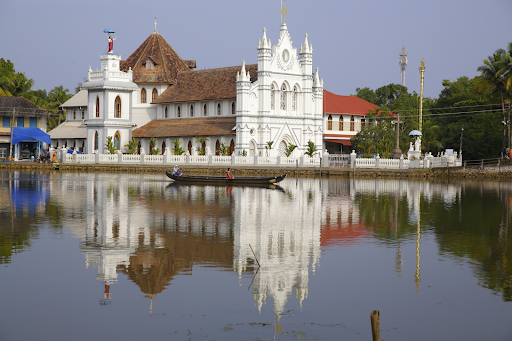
70	151
23	134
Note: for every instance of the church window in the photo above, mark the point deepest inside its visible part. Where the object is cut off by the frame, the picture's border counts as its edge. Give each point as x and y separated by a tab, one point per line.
83	114
117	140
97	107
218	108
294	99
329	122
283	97
204	110
340	128
191	111
143	95
272	97
74	114
363	123
179	112
96	140
352	122
154	95
117	107
163	147
217	148
233	108
166	112
189	147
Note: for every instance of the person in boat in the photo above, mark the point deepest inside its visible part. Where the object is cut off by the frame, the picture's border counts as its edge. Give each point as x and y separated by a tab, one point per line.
175	171
228	174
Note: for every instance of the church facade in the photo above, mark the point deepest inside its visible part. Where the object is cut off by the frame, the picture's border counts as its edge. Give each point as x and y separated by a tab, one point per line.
257	109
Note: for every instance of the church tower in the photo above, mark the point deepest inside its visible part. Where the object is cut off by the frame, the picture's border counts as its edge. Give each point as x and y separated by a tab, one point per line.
110	93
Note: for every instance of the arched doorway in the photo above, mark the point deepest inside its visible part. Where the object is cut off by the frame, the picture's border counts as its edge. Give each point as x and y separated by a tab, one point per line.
217	147
231	147
282	148
189	147
252	148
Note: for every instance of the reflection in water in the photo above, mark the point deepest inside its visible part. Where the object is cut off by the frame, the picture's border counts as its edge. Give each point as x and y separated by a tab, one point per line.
149	231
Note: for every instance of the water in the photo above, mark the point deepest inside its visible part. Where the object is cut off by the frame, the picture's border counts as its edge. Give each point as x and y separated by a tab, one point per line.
123	256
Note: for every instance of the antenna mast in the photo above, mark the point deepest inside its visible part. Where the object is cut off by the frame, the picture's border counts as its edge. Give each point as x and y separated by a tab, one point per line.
403	64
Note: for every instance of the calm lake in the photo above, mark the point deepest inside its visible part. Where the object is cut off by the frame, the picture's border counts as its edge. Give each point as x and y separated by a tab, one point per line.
103	256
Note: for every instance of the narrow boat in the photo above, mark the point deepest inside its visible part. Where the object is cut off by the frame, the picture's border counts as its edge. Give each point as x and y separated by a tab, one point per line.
225	181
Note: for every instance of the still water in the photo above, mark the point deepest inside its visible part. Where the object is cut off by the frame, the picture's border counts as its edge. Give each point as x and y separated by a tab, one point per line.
136	257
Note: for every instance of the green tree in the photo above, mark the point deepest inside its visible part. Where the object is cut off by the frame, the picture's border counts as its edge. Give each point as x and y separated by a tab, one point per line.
223	149
290	149
310	149
132	145
109	145
200	150
177	150
268	147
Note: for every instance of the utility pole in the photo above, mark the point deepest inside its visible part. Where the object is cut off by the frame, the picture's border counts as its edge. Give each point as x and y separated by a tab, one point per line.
422	74
461	132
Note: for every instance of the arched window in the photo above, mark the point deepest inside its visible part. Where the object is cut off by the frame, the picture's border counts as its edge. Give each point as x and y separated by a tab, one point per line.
117	107
233	108
179	112
218	108
272	97
282	148
294	99
154	95
191	111
189	147
363	123
117	140
97	107
329	122
143	95
165	112
217	147
163	147
203	148
352	122
283	97
340	128
204	110
138	148
96	141
231	147
74	114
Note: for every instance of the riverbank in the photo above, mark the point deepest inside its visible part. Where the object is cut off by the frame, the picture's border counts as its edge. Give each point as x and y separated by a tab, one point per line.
452	173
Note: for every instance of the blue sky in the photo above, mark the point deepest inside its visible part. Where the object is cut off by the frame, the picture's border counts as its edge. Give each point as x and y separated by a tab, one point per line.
356	43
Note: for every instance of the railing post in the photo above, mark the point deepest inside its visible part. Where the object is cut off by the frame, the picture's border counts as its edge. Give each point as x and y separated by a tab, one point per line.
301	160
166	155
279	160
187	159
353	159
142	155
119	156
401	162
96	156
233	159
255	159
377	161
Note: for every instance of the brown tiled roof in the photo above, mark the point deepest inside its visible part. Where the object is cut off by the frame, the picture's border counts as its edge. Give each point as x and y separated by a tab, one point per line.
23	107
202	85
201	126
167	62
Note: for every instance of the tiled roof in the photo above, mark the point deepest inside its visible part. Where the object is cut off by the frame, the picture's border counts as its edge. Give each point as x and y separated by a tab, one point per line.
22	106
202	85
201	126
69	130
351	105
167	62
78	100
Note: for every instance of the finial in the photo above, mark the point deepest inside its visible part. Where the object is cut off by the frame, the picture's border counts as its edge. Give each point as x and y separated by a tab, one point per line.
155	27
284	11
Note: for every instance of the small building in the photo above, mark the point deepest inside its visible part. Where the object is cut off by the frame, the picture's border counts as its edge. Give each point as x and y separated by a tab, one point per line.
344	117
72	133
19	112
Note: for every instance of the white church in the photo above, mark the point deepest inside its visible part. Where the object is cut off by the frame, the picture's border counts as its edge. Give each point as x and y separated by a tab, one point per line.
277	102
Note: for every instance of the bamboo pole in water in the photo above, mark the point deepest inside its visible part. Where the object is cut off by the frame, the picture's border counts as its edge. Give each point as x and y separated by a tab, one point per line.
375	319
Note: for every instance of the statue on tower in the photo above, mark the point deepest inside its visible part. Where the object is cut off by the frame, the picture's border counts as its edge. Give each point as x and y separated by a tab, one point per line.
111	44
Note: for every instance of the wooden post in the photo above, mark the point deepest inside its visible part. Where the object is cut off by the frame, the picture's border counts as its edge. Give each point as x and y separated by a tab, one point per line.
375	319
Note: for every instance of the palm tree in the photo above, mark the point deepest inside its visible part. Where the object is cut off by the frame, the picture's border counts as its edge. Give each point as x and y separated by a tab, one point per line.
492	77
202	141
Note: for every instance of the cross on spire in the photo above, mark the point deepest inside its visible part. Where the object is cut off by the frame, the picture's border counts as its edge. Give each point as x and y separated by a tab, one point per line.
284	11
155	26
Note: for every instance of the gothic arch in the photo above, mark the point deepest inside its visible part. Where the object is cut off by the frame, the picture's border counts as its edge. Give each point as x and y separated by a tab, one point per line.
252	148
117	107
97	106
143	98
117	140
96	140
154	95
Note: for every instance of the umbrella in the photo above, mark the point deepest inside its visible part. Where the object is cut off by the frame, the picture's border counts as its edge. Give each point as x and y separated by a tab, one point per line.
109	30
415	133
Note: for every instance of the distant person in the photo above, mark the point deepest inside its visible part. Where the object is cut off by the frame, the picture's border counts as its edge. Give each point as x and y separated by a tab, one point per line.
175	171
228	174
54	158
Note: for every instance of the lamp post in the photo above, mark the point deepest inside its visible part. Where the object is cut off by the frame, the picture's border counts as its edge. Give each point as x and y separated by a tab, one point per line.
461	132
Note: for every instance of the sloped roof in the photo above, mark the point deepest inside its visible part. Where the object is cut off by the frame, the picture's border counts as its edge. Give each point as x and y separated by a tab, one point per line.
201	126
22	106
350	105
202	85
167	62
69	130
78	100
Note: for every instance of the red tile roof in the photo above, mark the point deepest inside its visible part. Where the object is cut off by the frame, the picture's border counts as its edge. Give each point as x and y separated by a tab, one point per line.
178	127
203	85
167	62
352	105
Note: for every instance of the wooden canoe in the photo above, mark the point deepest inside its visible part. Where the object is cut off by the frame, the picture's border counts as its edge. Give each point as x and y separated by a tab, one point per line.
225	181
